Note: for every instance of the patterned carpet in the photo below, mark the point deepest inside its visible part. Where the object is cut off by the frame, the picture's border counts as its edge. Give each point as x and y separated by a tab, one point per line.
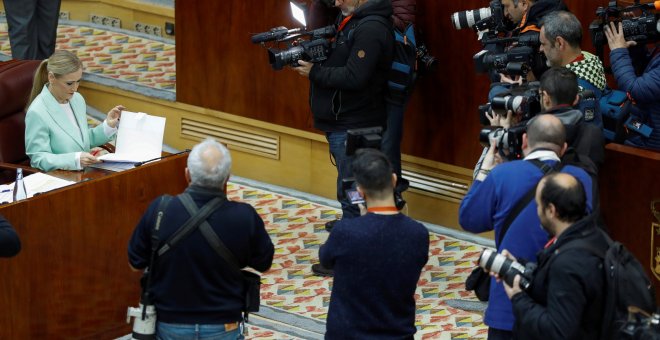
294	302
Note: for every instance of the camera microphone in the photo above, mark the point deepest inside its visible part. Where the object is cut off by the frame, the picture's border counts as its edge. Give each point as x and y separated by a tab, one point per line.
276	33
159	158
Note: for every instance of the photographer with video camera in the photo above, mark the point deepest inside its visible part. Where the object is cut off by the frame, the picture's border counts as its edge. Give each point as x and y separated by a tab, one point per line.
377	259
642	85
561	36
566	295
527	15
501	199
347	91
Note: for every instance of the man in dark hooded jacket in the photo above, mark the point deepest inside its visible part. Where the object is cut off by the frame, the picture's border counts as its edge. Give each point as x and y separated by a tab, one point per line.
347	91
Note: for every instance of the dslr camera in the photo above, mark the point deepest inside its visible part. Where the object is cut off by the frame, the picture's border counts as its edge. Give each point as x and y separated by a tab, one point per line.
642	29
508	141
506	268
523	100
640	325
488	20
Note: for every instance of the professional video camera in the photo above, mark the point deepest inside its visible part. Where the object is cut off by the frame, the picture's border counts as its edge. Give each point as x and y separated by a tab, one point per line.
523	100
315	49
516	61
487	21
506	268
642	29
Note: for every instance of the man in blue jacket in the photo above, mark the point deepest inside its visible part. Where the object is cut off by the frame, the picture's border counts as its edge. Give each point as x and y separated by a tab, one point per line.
643	87
497	190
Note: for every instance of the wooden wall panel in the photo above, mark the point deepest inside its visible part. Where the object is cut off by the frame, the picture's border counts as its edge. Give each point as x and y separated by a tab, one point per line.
219	68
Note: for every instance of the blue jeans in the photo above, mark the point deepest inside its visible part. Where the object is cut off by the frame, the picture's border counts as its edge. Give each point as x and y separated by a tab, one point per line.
337	141
391	142
173	331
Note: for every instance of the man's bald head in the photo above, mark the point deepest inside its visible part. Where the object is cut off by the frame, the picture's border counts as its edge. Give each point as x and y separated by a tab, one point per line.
546	131
565	193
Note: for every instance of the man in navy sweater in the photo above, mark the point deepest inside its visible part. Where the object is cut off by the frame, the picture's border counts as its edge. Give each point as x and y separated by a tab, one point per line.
497	190
377	259
194	290
10	244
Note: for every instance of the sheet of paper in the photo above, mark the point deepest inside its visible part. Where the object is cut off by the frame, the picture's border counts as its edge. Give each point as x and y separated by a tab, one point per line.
139	138
113	166
34	184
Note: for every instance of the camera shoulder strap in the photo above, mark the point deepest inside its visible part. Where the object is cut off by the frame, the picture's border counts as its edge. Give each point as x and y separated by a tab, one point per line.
155	240
212	237
192	223
524	201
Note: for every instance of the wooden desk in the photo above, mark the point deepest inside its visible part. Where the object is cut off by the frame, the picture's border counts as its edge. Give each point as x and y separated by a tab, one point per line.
629	181
71	279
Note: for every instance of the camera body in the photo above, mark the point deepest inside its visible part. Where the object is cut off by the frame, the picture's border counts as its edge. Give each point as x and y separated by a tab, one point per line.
315	49
144	324
641	326
516	61
642	29
506	268
524	100
489	18
508	141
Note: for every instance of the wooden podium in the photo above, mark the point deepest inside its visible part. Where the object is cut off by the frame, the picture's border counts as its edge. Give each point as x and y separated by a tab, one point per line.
629	182
71	279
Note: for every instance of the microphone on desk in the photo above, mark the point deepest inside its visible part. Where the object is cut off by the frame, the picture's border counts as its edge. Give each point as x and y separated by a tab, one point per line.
159	158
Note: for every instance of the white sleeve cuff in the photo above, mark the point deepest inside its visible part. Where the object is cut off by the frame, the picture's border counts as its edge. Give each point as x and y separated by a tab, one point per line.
78	160
108	130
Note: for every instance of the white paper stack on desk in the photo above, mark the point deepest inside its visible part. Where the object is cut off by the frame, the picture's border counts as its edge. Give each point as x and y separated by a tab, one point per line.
34	184
139	138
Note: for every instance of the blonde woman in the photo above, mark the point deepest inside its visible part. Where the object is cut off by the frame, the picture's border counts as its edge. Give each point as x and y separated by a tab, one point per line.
56	131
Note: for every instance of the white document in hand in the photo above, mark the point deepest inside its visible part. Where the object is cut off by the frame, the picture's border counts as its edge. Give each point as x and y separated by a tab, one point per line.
139	138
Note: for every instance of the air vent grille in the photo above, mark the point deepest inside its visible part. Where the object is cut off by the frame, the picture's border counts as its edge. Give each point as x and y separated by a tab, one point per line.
436	185
235	137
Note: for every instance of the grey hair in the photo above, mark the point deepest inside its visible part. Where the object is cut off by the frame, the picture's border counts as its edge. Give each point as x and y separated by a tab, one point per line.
562	24
209	164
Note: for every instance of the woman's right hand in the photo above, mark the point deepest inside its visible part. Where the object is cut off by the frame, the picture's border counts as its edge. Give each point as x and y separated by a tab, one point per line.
86	159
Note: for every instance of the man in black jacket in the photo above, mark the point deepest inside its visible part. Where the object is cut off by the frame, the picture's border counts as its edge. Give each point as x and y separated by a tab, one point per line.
566	296
347	91
194	289
10	244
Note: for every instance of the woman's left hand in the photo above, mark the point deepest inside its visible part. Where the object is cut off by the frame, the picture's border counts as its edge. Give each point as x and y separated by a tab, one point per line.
114	115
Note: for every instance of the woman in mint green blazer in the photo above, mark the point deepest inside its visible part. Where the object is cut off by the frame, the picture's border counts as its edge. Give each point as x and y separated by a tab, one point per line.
56	131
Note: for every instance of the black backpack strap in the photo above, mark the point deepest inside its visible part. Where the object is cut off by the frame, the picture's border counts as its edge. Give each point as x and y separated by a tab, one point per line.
192	223
524	201
212	237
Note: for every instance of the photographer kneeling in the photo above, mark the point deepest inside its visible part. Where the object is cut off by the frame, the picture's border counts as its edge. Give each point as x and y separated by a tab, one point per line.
566	294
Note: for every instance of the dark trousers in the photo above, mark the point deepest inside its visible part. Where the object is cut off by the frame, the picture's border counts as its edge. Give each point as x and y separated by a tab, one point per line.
499	334
32	27
337	141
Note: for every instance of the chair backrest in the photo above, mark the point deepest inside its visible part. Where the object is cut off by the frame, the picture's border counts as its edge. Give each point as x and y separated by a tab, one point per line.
16	78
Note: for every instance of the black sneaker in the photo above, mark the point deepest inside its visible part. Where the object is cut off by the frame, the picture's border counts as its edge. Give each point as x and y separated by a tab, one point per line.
319	270
329	225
